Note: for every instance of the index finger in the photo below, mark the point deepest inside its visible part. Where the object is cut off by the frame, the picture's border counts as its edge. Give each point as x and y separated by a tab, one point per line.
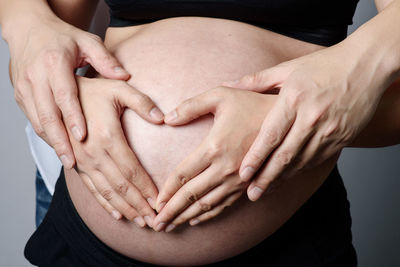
65	91
187	195
189	168
130	167
274	129
50	119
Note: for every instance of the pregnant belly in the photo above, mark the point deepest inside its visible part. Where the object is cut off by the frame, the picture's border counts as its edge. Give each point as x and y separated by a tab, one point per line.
172	60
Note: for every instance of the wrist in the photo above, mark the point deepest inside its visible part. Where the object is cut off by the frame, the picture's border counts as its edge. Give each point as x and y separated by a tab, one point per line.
377	44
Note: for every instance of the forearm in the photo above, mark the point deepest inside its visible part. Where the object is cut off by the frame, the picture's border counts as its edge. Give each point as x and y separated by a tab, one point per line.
376	45
384	128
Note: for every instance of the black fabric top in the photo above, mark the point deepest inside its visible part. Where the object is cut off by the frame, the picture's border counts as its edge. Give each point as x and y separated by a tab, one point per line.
314	21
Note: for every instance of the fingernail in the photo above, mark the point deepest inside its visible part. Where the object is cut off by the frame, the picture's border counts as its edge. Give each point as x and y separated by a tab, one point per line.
156	113
139	221
151	203
149	221
76	132
255	193
170	117
119	70
160	226
194	222
116	215
247	173
161	206
170	228
66	161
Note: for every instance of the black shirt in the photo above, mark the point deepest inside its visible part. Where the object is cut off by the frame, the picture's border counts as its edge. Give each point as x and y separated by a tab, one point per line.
315	21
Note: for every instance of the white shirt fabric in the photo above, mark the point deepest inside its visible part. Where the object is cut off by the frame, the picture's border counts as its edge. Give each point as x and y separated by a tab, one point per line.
45	158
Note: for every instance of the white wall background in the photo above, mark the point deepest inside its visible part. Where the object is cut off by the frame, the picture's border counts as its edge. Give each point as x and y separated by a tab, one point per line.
372	177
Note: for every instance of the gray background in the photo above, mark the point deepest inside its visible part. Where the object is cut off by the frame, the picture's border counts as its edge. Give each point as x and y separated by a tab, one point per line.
371	176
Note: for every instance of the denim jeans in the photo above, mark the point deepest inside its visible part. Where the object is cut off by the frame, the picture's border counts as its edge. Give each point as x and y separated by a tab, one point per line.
43	199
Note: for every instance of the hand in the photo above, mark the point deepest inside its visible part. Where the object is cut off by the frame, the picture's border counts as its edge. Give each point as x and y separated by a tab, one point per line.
326	98
207	180
44	55
105	161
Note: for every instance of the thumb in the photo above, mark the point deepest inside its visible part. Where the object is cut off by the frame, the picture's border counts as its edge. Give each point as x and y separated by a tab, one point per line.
102	60
193	108
261	81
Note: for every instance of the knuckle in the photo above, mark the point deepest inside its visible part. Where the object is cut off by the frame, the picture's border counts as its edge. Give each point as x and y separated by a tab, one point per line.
122	188
69	117
204	206
92	190
190	196
38	129
107	194
63	96
131	174
29	74
284	158
181	179
270	138
59	146
214	150
294	98
127	172
230	168
51	57
47	118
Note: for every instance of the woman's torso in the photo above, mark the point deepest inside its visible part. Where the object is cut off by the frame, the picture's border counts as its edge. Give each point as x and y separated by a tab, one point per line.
320	22
172	60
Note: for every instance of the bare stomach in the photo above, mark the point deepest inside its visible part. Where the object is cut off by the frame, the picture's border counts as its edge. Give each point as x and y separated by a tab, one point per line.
170	61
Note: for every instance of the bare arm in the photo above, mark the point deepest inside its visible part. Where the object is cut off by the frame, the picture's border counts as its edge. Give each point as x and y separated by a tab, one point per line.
47	42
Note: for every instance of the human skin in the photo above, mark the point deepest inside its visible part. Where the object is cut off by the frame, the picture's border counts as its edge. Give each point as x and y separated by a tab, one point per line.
326	99
332	93
173	60
47	41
